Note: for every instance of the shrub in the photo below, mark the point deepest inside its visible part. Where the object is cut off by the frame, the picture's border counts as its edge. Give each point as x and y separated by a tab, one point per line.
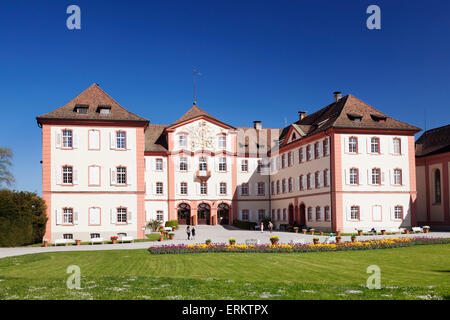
154	225
172	223
22	218
274	239
247	225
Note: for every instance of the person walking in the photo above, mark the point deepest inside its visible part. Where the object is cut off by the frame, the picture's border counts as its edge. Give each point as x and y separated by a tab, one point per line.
188	231
262	227
270	226
193	233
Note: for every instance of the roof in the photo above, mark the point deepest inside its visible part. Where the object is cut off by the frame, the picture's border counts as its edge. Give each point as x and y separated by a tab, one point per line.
433	141
193	113
339	114
93	97
155	139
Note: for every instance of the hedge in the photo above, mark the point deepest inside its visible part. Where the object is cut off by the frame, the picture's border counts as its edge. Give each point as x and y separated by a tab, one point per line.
172	223
248	225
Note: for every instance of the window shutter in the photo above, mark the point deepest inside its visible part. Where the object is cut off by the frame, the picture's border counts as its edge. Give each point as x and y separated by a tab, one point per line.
361	214
313	181
75	139
75	217
382	176
391	176
368	145
321	179
112	139
304	182
128	141
58	139
147	164
75	175
391	211
189	164
218	188
346	145
94	175
58	216
113	216
320	149
216	160
359	145
177	188
94	139
177	164
129	217
197	187
328	177
391	145
369	177
147	215
58	175
153	188
382	145
249	188
112	172
348	213
130	178
240	189
347	176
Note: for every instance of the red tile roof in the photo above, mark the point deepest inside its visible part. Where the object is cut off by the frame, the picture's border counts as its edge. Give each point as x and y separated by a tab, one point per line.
433	141
193	113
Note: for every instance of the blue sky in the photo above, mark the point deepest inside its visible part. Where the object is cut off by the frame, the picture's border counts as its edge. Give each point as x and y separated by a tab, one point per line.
260	60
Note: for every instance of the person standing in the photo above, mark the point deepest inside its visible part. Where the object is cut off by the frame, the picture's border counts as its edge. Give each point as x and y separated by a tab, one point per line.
270	226
193	233
188	231
262	227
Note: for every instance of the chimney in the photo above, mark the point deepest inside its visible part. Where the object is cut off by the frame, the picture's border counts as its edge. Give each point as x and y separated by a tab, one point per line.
257	125
337	95
301	115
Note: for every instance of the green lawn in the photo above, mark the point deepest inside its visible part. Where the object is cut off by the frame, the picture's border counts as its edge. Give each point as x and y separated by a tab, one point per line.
421	272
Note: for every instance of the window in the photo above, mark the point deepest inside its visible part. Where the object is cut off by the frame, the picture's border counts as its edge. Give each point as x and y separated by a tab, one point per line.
308	153
67	175
278	186
95	235
283	186
121	215
316	180
261	188
202	166
300	155
182	141
82	110
325	147
121	137
300	182
68	236
326	183
376	176
398	213
283	161
67	216
354	177
259	166
94	139
183	164
318	214
327	214
67	141
104	110
245	215
203	188
94	175
121	175
290	159
183	188
397	176
290	185
437	186
353	145
244	189
159	188
159	165
310	214
316	150
261	214
244	165
375	145
354	213
284	214
223	188
222	142
272	187
273	214
308	181
222	164
278	214
397	146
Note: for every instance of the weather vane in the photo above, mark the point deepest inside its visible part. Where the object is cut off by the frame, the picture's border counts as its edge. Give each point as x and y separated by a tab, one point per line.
194	73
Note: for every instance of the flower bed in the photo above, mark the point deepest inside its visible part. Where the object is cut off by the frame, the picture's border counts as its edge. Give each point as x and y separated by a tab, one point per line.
288	248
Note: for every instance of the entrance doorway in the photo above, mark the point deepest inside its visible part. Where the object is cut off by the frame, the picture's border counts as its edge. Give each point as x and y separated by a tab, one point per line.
203	214
223	212
291	214
302	215
184	214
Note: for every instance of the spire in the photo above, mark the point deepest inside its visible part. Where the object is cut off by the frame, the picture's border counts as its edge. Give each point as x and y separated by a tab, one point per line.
194	73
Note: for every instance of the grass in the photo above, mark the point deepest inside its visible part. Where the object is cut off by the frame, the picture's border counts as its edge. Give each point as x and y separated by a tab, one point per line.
420	272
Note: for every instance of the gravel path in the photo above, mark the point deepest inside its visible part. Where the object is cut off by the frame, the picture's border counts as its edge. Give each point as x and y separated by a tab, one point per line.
217	234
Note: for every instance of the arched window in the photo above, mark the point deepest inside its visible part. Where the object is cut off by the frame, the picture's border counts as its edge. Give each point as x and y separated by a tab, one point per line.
437	186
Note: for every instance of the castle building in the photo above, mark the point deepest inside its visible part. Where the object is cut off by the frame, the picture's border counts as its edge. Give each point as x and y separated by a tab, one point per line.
432	170
108	171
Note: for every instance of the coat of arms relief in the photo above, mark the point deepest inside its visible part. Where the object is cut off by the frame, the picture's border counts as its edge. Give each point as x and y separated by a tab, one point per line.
202	136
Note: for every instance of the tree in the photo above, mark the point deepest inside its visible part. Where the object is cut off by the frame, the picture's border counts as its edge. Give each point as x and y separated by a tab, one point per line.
6	176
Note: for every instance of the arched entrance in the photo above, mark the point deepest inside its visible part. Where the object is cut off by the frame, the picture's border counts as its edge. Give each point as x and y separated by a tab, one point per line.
184	213
302	210
291	214
203	213
223	213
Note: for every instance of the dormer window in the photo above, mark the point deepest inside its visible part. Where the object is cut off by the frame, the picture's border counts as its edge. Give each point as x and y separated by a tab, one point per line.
354	117
81	109
378	118
104	110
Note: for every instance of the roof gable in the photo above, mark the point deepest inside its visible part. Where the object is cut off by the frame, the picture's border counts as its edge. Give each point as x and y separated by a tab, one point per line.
194	113
93	97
